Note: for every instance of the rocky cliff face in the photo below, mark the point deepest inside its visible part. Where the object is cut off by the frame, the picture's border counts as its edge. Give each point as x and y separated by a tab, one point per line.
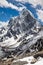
21	24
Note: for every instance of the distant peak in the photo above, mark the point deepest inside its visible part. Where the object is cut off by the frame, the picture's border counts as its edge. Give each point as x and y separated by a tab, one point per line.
25	12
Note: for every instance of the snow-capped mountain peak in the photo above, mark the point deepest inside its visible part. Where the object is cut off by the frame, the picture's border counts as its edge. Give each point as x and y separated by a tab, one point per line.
21	29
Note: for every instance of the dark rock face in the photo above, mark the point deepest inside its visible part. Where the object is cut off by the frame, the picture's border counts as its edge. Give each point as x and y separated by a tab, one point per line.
38	46
21	23
2	29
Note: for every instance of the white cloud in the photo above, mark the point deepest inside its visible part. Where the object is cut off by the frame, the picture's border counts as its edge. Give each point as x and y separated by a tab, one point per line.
4	3
33	2
3	23
40	14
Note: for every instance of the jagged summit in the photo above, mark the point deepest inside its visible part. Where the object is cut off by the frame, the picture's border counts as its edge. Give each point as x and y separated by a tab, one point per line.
22	23
24	12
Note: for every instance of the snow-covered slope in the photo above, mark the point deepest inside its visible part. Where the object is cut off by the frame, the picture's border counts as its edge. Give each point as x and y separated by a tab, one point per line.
29	59
3	29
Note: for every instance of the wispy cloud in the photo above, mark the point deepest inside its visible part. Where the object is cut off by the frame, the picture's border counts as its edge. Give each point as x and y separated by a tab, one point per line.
3	24
34	2
4	3
40	14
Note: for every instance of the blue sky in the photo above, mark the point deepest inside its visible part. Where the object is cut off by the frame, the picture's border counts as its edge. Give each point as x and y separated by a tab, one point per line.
7	13
11	8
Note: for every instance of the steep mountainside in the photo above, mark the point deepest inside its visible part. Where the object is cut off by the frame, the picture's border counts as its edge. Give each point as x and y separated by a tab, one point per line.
23	33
